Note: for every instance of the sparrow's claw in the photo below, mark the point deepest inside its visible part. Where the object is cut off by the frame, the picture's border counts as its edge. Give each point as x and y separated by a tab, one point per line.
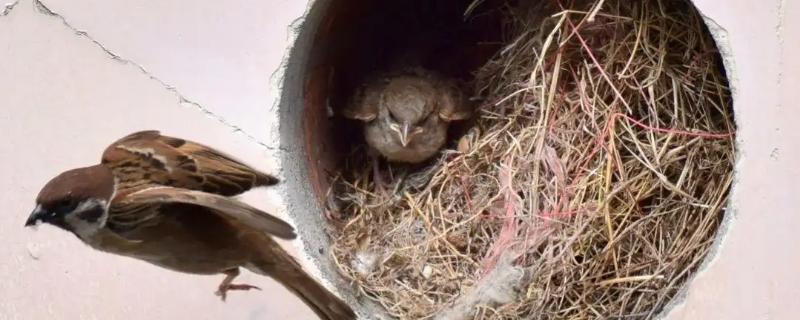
222	292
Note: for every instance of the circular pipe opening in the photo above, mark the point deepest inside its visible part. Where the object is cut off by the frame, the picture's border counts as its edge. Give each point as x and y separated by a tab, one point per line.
342	42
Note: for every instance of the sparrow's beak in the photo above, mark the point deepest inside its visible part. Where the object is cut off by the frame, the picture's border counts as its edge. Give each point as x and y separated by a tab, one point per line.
37	215
405	139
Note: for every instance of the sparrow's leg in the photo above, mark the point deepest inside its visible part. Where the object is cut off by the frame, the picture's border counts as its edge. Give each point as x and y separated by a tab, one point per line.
226	284
376	172
401	180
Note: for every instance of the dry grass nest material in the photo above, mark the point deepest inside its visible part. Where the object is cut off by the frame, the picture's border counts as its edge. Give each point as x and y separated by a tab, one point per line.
598	167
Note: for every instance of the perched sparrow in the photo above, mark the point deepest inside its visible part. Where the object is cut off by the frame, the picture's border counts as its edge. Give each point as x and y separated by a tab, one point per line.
166	201
406	114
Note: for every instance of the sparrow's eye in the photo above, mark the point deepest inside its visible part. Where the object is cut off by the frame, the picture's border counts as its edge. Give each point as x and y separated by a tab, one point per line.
66	206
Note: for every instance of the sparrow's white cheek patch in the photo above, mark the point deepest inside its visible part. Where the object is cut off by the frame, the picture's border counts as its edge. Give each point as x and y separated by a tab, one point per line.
89	217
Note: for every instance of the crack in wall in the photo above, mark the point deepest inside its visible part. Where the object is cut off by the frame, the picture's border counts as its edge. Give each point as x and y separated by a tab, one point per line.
182	99
779	34
8	7
779	26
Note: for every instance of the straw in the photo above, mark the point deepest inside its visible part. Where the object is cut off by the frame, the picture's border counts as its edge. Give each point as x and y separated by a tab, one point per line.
601	160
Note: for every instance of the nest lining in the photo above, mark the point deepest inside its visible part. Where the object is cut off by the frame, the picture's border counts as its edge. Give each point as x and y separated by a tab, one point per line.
598	169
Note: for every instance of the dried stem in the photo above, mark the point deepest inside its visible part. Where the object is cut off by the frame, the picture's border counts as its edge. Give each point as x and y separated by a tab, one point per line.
602	160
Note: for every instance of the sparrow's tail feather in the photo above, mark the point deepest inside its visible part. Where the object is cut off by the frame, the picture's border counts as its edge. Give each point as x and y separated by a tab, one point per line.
284	269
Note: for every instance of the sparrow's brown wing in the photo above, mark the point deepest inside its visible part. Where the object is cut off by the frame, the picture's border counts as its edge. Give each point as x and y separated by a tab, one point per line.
147	157
227	207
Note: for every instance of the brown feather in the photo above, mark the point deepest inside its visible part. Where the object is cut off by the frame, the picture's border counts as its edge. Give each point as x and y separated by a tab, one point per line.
81	183
147	157
276	263
364	105
453	106
229	208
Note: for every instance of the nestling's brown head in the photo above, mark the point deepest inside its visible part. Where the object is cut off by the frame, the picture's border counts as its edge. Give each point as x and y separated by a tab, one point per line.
76	200
408	102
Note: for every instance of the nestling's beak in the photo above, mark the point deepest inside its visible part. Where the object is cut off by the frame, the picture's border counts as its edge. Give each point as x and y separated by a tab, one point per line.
405	139
37	215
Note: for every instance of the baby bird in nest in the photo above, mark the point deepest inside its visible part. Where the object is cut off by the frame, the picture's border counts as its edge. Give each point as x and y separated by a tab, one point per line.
406	114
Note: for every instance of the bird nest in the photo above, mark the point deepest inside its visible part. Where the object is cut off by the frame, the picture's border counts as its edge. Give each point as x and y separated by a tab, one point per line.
591	184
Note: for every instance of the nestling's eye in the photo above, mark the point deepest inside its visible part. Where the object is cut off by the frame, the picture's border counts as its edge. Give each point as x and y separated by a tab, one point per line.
392	118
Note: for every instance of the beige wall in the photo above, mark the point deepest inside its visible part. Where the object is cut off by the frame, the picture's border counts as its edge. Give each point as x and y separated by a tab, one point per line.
65	98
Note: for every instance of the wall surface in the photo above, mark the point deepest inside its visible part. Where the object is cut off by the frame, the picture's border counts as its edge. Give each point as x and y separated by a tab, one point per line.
77	75
200	71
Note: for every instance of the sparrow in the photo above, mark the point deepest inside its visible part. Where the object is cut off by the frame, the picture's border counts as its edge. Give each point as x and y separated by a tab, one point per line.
406	114
168	201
